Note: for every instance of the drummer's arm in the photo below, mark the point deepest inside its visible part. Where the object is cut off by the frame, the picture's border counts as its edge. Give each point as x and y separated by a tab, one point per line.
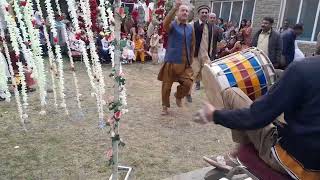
285	95
168	19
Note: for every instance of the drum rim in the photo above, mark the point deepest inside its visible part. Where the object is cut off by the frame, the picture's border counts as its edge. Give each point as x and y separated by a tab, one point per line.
269	80
207	67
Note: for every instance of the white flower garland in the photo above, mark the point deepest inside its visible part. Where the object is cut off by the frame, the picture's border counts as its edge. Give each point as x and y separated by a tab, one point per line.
58	7
53	67
75	78
58	54
75	23
37	52
27	53
11	27
123	94
4	78
23	85
6	50
111	27
100	90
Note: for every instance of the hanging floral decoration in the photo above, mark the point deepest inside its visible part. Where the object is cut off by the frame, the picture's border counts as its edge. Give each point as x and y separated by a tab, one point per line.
11	28
24	40
33	32
109	31
7	55
96	65
27	55
135	15
76	24
52	64
23	85
72	66
94	15
4	78
58	54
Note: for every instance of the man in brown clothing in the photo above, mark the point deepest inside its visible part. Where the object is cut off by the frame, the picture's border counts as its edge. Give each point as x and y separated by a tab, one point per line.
178	58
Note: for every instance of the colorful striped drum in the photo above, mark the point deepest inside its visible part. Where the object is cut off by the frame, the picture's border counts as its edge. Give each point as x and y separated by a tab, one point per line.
250	70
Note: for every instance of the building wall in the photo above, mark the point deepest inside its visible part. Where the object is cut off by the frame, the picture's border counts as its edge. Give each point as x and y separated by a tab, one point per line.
307	48
272	8
265	8
198	3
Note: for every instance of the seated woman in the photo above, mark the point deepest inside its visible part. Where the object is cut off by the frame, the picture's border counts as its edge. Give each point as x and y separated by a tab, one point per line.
233	44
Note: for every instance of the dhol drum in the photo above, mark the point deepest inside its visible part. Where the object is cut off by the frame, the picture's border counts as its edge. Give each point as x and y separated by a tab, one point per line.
250	70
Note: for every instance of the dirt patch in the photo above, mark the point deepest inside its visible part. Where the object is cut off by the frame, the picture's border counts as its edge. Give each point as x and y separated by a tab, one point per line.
72	147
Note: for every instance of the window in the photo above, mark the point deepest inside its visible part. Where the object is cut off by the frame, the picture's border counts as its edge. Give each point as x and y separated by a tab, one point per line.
233	10
248	10
225	12
236	12
216	8
305	12
291	13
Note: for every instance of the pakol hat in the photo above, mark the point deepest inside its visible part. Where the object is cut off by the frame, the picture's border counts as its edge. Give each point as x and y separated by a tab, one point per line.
203	7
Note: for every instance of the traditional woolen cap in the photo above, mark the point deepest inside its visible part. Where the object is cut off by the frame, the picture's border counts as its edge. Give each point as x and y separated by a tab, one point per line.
203	7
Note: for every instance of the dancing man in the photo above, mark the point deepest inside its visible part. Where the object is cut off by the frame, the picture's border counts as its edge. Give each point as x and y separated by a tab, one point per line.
179	54
292	148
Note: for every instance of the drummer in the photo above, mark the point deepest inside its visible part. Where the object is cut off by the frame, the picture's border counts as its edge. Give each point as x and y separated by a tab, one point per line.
292	148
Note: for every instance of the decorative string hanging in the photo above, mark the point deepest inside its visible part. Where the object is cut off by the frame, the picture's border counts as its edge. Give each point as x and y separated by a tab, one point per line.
33	32
58	54
72	66
96	65
11	28
52	64
4	78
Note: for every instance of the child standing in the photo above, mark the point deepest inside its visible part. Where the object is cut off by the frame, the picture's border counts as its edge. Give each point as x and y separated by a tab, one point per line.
154	47
139	47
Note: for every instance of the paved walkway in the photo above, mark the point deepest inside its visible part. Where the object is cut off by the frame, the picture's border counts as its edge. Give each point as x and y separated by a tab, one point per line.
208	173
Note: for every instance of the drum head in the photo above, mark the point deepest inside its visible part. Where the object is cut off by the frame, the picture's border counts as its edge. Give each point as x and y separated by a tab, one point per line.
212	87
267	66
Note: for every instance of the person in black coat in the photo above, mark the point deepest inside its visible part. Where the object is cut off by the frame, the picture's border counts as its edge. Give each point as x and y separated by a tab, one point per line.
202	28
269	41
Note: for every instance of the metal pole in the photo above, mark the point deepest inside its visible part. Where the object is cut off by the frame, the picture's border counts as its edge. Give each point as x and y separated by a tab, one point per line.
115	143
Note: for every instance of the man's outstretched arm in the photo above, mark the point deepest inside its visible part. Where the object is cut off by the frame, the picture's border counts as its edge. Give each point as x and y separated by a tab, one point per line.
281	97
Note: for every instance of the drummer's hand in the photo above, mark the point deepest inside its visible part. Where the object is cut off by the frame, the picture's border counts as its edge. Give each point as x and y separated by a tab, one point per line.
205	115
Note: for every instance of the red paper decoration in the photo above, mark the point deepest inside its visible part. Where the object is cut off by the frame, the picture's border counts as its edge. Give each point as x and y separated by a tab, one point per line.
23	3
94	15
7	7
34	22
55	40
135	15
